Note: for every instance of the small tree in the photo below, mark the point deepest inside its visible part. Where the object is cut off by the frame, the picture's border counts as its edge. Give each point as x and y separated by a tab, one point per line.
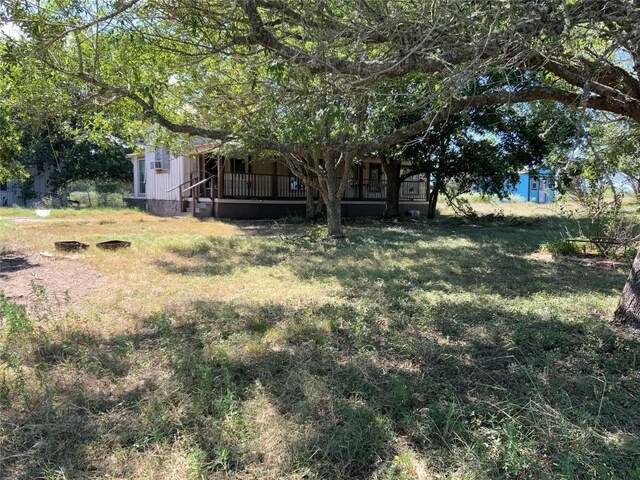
617	144
589	176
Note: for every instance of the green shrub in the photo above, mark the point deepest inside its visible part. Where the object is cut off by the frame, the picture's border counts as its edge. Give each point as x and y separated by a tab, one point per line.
14	316
562	246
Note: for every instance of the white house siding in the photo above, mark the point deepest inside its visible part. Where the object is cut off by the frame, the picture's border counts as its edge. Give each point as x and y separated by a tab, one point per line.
160	181
10	194
162	196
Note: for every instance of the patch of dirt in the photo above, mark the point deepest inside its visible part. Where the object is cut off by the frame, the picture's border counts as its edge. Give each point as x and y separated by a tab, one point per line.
594	260
43	281
589	260
542	257
23	219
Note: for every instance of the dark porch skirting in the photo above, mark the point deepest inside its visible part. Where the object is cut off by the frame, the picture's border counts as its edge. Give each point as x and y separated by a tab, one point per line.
140	203
162	208
238	209
265	209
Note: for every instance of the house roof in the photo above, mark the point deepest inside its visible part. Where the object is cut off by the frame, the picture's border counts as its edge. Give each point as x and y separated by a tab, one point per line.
204	147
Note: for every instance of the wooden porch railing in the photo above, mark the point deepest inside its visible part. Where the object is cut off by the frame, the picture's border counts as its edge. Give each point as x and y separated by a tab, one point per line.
284	187
289	187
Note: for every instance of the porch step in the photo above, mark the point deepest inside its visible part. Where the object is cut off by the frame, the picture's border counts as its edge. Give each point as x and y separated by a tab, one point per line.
204	207
200	200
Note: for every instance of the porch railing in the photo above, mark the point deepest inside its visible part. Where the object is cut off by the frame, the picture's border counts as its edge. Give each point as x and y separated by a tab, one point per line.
264	186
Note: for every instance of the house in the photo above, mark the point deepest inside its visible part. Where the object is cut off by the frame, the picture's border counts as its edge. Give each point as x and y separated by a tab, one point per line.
205	182
537	187
26	193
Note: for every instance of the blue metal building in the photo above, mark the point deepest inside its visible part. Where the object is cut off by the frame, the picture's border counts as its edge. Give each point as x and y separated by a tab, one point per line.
538	187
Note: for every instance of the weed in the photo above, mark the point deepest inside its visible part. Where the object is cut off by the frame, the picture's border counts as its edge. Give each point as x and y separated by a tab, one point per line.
14	317
562	246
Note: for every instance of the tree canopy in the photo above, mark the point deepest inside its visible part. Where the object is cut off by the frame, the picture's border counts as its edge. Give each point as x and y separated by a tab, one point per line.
148	52
312	71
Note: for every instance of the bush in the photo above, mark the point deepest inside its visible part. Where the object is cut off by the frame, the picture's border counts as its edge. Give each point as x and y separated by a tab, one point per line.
13	316
562	246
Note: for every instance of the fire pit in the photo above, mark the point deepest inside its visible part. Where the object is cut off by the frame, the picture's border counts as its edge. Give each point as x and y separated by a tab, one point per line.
70	246
113	244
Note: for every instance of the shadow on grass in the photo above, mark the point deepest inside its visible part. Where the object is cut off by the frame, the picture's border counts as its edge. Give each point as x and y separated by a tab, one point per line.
338	391
384	385
353	387
404	258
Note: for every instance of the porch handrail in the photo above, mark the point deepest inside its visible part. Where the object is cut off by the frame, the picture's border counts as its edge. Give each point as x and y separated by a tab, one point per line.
178	186
196	184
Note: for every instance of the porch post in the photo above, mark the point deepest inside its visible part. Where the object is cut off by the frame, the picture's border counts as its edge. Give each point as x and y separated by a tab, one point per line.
220	165
193	197
428	186
274	181
360	180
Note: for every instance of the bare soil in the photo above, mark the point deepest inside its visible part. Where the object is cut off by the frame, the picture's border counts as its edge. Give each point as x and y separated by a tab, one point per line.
45	281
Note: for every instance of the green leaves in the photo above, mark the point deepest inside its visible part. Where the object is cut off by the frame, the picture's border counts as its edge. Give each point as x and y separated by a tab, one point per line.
278	70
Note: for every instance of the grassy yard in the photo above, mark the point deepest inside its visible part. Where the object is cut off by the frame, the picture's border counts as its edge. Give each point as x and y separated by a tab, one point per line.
408	350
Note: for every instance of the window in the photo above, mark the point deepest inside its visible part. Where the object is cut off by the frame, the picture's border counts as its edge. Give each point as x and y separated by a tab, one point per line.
238	166
3	186
142	180
375	175
208	165
161	159
534	183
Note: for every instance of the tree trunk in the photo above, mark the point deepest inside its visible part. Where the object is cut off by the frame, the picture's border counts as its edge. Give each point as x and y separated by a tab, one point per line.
310	212
333	192
635	185
64	195
392	169
320	208
433	202
334	216
628	312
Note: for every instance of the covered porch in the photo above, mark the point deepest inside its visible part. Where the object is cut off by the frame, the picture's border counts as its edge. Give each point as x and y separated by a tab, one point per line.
240	188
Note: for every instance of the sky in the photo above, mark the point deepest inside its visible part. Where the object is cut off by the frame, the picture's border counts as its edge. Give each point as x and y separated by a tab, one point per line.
9	29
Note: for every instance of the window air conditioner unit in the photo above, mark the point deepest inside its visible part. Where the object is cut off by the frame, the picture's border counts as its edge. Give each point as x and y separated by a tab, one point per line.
157	165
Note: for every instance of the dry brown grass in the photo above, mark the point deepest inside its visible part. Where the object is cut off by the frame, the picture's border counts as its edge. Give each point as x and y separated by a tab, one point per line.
149	275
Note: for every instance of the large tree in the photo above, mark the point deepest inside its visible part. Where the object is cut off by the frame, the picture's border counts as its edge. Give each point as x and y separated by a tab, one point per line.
589	48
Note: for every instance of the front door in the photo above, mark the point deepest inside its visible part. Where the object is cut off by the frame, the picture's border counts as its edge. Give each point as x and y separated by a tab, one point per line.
534	189
542	191
375	176
207	168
